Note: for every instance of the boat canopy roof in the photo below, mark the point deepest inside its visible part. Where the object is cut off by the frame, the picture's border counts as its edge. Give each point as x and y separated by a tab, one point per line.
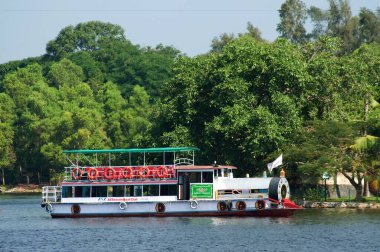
135	150
204	167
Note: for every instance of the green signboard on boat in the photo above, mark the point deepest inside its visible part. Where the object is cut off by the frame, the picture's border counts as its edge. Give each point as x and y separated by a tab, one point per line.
201	191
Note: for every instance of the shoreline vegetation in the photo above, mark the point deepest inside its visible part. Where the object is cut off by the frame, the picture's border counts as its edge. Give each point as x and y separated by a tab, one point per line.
21	188
328	204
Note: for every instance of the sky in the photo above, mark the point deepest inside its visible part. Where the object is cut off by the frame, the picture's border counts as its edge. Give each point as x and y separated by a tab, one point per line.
26	26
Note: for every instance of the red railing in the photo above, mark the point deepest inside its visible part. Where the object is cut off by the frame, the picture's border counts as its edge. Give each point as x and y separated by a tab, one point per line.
120	172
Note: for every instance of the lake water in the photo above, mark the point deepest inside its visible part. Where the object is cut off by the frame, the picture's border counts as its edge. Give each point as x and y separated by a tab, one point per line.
25	226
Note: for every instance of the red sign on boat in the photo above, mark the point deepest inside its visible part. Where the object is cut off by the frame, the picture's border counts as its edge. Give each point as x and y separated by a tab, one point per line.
124	172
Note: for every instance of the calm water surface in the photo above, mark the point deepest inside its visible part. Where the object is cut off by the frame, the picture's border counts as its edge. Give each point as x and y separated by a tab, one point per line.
25	226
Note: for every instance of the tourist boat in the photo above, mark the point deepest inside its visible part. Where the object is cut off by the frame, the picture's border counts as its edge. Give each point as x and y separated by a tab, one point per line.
134	186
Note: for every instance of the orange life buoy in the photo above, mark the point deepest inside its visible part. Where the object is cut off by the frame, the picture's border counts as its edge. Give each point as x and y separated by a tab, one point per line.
260	204
75	209
160	207
109	173
127	172
241	206
92	173
222	206
144	172
162	172
77	173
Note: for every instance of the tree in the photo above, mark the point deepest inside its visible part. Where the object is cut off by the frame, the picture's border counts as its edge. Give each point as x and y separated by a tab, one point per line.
92	69
369	26
138	113
7	117
319	18
230	104
293	16
115	114
337	21
253	32
89	36
324	146
65	72
325	88
35	101
218	43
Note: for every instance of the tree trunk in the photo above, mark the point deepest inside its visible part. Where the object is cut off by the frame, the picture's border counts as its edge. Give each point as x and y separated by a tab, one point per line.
336	185
358	186
366	109
359	192
365	188
359	189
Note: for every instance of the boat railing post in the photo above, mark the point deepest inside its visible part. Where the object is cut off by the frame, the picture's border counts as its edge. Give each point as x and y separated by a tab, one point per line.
55	194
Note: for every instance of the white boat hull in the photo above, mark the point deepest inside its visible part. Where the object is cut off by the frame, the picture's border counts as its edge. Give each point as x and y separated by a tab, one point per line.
171	208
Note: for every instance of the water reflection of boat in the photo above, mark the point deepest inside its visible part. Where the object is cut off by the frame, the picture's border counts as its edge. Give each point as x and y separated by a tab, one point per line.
177	188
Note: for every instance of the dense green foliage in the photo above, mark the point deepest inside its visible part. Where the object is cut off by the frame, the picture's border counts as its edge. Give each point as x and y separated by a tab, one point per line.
312	96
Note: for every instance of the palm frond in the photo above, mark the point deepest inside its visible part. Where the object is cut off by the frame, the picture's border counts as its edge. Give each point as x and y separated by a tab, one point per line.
365	143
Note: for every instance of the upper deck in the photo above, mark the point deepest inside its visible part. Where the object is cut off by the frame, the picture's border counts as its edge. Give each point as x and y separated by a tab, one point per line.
127	165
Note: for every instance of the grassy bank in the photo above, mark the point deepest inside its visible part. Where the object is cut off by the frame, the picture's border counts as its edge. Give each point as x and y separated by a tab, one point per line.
21	188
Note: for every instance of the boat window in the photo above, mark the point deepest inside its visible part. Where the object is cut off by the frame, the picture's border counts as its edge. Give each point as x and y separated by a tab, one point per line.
168	190
259	190
118	191
86	190
137	191
67	192
81	191
99	191
233	191
78	192
195	177
129	190
109	191
207	177
151	190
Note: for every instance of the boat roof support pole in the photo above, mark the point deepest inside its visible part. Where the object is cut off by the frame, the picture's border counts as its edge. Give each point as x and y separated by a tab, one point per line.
129	159
164	157
88	160
67	157
96	159
109	159
174	158
144	158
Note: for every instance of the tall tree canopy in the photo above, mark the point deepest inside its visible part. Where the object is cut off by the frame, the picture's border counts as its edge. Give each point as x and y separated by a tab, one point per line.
293	16
90	36
230	104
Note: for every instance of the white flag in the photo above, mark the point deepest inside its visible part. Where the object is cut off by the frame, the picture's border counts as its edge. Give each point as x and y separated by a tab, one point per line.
275	163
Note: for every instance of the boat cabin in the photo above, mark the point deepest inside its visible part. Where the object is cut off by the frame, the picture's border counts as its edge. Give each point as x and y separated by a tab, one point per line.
136	176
